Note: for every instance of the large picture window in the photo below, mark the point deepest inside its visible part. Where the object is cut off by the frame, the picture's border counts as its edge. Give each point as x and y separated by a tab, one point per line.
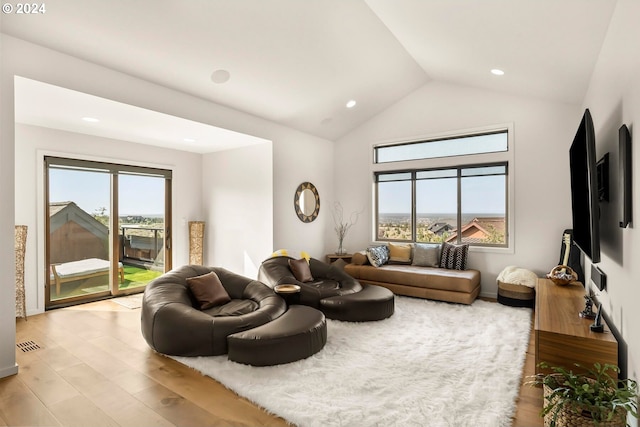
457	205
454	188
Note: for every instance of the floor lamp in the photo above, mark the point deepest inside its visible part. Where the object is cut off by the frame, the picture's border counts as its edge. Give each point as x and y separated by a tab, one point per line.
20	247
196	242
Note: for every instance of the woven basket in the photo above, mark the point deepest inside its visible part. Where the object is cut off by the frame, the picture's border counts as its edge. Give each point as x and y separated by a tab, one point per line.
562	275
567	418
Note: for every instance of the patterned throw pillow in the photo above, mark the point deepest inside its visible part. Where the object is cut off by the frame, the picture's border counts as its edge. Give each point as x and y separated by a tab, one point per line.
378	255
454	257
426	254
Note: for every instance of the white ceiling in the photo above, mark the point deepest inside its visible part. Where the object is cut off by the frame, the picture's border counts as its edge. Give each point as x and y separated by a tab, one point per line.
42	104
298	62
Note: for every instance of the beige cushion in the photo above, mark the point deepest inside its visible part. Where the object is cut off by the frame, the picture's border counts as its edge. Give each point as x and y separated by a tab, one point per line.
301	270
399	252
208	290
418	277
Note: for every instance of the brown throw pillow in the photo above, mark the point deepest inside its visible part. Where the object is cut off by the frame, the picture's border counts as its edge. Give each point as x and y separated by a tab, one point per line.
208	290
301	270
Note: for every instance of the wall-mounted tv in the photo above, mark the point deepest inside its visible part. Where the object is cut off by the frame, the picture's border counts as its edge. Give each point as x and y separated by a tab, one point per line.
584	189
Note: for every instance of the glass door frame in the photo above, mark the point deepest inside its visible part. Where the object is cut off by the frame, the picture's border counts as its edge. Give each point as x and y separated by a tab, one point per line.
114	229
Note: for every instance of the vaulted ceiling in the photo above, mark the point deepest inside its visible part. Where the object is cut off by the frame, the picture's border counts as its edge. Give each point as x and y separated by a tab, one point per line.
298	62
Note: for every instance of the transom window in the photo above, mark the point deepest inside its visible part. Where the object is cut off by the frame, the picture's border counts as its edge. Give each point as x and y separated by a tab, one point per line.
492	142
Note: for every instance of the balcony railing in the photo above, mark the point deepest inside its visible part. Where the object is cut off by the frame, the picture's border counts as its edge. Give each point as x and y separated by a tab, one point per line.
142	243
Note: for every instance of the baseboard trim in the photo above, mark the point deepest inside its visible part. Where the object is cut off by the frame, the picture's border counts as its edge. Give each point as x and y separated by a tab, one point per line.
488	296
7	372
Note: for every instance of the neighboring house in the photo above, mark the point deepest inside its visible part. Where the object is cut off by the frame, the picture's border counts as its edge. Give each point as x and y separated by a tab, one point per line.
439	228
480	229
74	234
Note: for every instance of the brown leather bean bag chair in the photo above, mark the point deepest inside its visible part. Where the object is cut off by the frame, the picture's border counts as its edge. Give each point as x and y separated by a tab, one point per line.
328	280
173	324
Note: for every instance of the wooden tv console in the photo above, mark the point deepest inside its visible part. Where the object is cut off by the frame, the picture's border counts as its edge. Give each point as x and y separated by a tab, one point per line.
563	338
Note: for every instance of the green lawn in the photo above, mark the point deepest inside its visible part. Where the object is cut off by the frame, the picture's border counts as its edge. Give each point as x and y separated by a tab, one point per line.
134	276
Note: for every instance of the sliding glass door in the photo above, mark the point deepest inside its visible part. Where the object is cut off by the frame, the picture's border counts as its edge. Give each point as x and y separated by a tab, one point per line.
79	229
107	229
142	228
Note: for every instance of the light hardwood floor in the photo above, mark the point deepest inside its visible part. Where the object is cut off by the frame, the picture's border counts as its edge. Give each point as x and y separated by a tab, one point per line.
93	368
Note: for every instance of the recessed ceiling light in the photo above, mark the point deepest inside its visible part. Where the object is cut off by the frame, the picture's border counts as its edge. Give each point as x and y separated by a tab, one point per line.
189	140
220	76
497	72
90	119
351	103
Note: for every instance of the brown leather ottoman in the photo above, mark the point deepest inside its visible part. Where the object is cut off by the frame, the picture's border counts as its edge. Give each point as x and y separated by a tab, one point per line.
297	334
371	303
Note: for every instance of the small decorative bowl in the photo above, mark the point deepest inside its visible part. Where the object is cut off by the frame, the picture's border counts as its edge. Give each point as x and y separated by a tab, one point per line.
562	275
287	289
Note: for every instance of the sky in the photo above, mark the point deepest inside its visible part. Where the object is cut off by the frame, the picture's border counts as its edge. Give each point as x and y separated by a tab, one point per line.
481	195
139	195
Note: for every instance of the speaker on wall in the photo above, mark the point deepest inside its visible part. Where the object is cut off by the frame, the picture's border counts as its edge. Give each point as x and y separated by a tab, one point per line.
598	277
624	143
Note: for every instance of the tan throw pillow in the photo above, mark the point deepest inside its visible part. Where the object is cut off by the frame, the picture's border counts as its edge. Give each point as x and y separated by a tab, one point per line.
208	290
399	253
301	270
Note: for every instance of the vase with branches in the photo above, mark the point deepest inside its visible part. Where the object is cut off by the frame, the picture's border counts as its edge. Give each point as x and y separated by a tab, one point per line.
341	226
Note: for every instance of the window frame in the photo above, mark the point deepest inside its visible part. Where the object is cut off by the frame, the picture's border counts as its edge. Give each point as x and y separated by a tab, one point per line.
53	161
452	162
426	141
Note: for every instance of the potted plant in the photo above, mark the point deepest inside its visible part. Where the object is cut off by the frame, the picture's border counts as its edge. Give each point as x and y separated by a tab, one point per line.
591	397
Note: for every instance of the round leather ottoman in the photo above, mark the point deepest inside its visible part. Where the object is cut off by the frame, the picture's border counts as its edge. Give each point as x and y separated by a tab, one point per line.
299	333
516	295
371	303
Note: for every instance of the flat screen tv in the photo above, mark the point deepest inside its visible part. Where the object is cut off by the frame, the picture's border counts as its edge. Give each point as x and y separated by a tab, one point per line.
584	190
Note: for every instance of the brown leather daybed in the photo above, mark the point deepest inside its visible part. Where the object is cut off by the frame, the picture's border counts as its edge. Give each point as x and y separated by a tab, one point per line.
458	286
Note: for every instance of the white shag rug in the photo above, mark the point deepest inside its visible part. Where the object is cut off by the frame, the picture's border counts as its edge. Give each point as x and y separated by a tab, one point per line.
430	364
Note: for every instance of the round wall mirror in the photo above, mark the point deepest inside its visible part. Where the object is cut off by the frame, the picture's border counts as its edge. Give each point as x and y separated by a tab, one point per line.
306	202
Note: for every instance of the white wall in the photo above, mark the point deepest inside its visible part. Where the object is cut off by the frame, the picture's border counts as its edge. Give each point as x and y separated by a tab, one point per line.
8	364
543	132
34	62
237	196
33	143
248	201
296	161
614	99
